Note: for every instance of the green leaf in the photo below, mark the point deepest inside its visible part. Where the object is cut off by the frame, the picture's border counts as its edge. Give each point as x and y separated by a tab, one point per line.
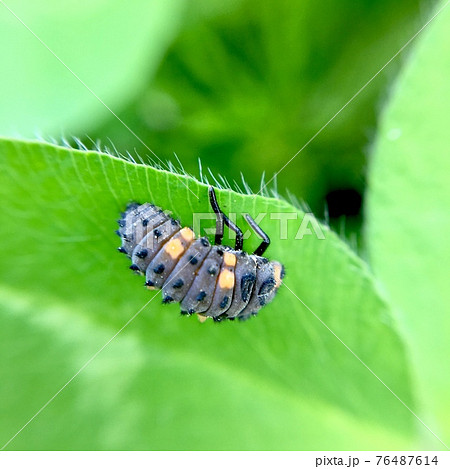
113	47
408	214
279	381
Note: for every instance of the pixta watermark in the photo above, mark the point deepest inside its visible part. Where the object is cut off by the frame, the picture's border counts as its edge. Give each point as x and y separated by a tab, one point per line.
283	225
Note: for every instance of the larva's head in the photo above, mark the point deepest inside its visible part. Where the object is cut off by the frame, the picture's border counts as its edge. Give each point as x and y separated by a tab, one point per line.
270	276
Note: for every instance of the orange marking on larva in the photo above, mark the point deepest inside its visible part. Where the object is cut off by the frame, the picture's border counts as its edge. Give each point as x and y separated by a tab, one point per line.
229	259
226	279
202	318
277	275
187	234
174	248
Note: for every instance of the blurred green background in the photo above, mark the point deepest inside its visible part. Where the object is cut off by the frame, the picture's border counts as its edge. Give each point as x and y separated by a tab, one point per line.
240	84
243	86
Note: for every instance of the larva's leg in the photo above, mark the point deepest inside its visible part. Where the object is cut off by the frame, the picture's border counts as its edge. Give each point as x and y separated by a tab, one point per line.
260	250
221	219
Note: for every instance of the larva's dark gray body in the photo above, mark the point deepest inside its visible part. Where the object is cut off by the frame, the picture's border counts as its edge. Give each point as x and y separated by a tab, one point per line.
212	281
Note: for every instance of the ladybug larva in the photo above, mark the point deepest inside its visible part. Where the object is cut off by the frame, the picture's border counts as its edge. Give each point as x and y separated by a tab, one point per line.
209	280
